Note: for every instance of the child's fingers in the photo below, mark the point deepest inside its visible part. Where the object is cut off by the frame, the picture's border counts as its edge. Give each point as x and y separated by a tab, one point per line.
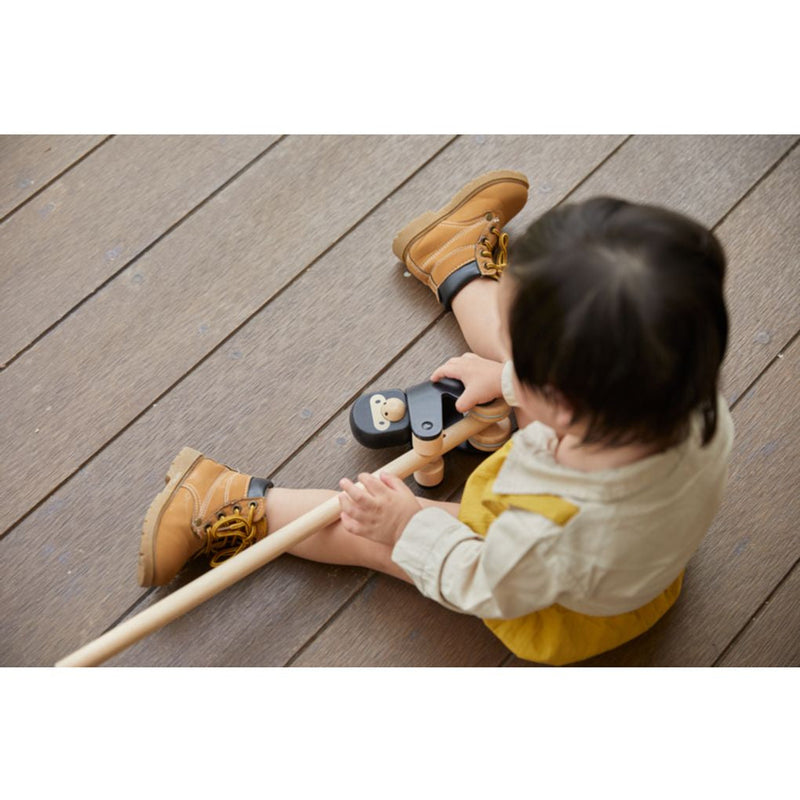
393	482
353	516
358	494
350	524
345	503
348	508
465	401
452	368
372	484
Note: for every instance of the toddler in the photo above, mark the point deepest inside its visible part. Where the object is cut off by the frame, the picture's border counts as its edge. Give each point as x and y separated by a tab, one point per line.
606	334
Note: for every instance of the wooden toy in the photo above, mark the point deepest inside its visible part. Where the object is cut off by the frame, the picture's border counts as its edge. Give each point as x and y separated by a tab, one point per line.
419	416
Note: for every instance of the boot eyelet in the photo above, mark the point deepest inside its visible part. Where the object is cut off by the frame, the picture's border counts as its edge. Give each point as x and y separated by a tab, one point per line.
253	505
489	216
220	515
237	510
208	528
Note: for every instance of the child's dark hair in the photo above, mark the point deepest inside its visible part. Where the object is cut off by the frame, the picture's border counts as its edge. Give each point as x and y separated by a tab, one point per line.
619	307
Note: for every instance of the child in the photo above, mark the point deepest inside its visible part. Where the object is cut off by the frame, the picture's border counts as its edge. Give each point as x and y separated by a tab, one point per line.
606	334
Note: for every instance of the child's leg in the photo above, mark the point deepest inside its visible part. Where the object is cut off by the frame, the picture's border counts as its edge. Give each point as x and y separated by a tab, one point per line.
477	313
333	544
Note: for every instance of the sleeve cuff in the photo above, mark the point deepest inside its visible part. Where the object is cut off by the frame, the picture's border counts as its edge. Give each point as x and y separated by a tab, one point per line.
507	384
425	543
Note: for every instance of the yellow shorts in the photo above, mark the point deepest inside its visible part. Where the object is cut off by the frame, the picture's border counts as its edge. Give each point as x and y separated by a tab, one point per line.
553	635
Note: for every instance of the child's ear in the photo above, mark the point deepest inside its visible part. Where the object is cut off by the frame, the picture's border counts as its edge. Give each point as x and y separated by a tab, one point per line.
564	412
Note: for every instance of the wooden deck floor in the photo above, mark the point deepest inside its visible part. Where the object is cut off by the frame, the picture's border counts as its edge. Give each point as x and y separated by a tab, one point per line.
236	294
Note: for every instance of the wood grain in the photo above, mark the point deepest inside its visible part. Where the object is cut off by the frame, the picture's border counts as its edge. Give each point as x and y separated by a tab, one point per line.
772	637
27	163
701	176
112	357
390	624
763	282
252	403
258	621
100	215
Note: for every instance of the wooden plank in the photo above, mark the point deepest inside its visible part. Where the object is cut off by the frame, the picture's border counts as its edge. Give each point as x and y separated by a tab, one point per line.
702	176
28	162
390	624
763	283
100	215
772	637
239	405
255	623
165	312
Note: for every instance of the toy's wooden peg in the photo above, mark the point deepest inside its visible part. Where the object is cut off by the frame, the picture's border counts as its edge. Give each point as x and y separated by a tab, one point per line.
432	473
428	447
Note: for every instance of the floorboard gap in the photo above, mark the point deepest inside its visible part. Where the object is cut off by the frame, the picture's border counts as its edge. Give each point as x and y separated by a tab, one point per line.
214	349
750	191
599	166
775	359
54	179
336	614
131	608
352	398
752	619
140	254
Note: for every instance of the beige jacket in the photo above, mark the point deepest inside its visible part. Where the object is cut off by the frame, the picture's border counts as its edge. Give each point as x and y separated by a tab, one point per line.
636	529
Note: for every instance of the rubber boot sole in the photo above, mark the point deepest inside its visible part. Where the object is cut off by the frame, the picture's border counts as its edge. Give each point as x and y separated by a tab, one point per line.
183	463
422	224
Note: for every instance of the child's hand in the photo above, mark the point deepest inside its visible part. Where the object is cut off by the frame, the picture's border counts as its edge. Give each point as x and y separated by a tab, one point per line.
480	376
378	510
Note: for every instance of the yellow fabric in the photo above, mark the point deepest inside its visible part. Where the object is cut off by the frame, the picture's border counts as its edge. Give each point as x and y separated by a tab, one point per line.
553	635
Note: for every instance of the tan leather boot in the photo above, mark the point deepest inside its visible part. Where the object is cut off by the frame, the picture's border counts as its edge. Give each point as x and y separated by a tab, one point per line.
463	240
205	507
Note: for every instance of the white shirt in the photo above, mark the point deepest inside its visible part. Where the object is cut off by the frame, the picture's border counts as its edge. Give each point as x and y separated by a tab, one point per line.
636	528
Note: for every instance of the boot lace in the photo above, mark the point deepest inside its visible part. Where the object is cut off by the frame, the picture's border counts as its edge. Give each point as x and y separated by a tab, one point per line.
230	534
498	255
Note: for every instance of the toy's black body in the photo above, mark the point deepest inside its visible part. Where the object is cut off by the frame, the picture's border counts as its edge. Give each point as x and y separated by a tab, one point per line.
429	409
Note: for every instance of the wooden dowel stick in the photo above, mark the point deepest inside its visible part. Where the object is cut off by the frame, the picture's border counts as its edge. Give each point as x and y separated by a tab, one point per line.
249	560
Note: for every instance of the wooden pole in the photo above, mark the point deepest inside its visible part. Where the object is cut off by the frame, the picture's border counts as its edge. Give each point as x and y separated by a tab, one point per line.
269	548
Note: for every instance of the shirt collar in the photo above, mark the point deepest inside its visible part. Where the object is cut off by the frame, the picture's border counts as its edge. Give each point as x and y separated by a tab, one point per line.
531	468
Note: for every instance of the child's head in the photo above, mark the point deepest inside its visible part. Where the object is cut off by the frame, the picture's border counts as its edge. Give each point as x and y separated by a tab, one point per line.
617	309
